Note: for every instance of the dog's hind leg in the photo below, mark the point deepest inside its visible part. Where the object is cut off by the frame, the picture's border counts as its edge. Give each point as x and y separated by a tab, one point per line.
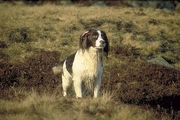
66	82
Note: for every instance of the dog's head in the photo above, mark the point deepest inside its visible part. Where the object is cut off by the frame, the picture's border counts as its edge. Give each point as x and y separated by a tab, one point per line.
94	38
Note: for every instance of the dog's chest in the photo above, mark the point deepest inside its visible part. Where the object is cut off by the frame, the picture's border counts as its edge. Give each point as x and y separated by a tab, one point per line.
87	65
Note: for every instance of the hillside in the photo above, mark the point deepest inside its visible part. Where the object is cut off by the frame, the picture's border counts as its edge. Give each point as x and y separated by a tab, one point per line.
33	39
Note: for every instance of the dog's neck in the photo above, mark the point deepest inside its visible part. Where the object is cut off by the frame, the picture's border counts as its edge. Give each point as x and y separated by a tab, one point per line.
93	53
91	59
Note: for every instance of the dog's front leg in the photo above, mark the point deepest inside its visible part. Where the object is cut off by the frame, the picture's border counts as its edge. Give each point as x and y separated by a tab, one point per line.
78	88
97	87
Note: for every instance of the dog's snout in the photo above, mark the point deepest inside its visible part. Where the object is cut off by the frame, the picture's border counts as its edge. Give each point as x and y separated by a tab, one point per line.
102	41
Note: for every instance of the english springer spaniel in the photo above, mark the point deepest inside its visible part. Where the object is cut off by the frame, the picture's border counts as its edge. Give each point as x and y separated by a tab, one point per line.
85	67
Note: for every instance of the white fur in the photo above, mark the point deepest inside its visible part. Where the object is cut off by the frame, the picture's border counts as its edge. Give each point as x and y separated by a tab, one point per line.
87	68
98	41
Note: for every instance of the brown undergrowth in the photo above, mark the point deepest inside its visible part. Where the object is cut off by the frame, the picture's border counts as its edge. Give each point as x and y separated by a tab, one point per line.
35	38
136	82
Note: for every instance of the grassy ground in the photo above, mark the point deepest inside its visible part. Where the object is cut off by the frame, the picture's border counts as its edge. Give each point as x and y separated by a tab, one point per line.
35	38
53	107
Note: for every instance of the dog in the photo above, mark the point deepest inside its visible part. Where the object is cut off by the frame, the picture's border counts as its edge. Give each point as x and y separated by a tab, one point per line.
85	67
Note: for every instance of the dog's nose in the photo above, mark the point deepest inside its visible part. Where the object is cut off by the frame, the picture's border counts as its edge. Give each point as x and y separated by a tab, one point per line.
102	41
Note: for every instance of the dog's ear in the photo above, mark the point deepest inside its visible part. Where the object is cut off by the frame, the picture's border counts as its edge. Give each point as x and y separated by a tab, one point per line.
83	42
106	48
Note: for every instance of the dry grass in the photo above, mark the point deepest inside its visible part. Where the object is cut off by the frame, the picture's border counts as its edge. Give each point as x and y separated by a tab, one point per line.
46	107
135	33
56	28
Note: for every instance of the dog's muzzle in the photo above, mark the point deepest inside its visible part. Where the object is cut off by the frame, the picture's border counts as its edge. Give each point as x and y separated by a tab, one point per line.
101	44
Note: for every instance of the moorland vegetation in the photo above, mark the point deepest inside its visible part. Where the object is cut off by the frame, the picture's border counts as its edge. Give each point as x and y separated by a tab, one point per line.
141	77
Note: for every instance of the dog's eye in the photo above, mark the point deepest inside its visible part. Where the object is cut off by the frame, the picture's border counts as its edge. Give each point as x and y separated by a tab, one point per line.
95	36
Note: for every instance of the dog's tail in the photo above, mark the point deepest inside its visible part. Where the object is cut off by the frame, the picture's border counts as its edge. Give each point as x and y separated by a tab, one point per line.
58	69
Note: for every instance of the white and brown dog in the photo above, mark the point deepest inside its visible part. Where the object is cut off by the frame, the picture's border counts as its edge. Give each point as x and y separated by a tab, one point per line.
85	67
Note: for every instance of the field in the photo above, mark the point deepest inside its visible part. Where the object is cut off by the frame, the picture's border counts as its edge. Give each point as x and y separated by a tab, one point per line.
141	79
